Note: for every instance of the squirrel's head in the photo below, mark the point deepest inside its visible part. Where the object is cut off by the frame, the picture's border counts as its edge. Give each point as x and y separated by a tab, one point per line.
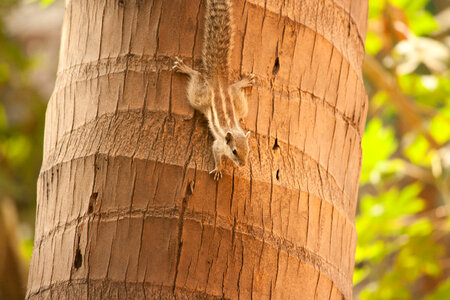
238	144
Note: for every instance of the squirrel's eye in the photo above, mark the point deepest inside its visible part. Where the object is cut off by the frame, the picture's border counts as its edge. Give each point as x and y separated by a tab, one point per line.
234	152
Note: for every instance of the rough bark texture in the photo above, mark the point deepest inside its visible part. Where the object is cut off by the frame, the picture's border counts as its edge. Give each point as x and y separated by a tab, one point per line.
126	208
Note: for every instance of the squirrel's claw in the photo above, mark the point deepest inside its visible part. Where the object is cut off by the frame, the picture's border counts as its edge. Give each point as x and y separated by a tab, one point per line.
180	67
248	80
217	174
251	78
177	65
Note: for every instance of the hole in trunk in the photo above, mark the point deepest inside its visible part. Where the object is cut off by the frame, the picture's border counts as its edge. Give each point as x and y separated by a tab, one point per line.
189	189
276	146
276	67
92	201
78	260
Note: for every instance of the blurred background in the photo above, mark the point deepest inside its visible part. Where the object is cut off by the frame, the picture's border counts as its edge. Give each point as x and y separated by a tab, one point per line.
403	213
29	45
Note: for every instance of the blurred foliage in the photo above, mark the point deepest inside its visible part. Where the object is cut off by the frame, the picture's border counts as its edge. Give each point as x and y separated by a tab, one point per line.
22	111
403	217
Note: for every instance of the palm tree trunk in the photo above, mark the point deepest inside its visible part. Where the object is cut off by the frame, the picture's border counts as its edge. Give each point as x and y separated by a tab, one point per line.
126	207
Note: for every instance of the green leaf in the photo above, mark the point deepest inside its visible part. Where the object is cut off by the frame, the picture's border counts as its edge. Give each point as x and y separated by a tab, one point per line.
422	227
440	126
375	8
16	148
373	43
422	23
378	145
417	151
410	6
26	249
44	3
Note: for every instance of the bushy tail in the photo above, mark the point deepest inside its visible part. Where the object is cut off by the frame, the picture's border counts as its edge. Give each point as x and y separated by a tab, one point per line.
218	38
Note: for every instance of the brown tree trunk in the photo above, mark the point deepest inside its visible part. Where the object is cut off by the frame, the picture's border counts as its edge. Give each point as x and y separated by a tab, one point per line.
12	270
126	207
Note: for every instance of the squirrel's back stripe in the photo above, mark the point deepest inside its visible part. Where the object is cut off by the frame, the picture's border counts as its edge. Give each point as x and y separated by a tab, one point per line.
214	120
222	109
225	106
217	38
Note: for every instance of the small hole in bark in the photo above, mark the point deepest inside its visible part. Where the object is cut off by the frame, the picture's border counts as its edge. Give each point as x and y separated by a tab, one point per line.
189	189
278	174
276	66
92	201
276	146
78	261
121	2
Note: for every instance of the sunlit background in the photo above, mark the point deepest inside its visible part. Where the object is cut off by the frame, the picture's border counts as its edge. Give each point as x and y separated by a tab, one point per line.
403	214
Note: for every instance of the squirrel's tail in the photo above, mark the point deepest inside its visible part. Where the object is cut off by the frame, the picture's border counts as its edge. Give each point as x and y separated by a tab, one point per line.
217	42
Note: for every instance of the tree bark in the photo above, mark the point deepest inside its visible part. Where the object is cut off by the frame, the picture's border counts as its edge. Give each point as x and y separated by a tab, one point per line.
126	207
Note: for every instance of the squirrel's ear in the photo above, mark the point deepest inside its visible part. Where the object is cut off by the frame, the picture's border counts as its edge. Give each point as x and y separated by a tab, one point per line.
247	135
228	137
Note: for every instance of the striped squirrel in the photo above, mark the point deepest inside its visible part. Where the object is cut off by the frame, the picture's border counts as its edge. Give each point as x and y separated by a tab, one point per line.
210	92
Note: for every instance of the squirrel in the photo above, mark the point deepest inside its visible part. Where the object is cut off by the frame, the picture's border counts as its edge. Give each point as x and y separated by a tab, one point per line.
210	92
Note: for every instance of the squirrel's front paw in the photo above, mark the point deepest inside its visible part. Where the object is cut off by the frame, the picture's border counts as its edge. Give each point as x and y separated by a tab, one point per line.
248	79
178	65
217	174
